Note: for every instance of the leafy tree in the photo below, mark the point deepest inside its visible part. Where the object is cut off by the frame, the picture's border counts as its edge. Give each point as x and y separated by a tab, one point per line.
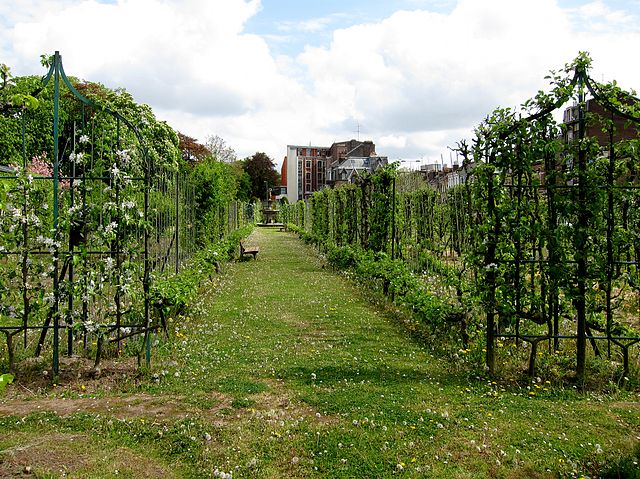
5	82
243	180
261	170
192	151
160	139
215	186
219	148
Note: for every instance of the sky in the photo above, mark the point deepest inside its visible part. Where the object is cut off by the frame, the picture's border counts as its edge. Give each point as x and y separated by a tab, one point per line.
413	76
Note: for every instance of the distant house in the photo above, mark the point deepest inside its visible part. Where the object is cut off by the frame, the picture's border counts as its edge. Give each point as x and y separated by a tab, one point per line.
307	169
442	177
594	126
305	172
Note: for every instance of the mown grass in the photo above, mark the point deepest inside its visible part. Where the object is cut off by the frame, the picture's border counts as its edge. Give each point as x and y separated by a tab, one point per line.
293	372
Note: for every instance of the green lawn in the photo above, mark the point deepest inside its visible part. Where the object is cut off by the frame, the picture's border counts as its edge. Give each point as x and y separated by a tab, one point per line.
288	369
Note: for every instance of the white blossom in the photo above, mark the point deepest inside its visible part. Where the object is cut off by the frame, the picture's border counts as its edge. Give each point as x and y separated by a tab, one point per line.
110	227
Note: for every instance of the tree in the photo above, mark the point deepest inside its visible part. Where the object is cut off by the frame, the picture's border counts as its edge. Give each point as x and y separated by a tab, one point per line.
214	187
192	151
220	150
263	174
243	180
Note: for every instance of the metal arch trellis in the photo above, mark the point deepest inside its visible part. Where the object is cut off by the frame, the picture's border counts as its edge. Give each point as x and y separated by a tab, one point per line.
107	217
75	244
577	187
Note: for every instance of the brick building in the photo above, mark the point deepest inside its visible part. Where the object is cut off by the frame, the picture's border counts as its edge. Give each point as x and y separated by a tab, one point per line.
306	169
305	172
594	127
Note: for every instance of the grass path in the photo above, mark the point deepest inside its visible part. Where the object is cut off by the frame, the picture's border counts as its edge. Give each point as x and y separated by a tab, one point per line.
288	370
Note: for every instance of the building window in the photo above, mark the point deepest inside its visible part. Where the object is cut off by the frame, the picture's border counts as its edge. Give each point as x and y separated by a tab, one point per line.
308	164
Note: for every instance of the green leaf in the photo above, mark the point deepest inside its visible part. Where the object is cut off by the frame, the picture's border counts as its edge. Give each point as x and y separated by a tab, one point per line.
4	380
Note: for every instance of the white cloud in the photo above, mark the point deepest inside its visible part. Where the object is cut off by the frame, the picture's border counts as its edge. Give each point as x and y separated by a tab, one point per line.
418	72
416	81
395	141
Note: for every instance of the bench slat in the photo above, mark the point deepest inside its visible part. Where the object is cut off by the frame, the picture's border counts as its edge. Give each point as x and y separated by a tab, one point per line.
253	250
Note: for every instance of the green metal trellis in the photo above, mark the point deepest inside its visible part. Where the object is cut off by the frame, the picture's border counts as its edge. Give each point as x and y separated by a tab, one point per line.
572	180
543	227
89	234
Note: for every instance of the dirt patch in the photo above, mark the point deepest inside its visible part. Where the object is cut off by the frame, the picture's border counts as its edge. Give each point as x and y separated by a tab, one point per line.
73	455
53	453
80	390
276	405
34	376
137	405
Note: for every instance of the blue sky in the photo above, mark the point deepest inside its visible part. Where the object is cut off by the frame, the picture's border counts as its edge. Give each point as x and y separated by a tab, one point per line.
286	24
416	75
358	11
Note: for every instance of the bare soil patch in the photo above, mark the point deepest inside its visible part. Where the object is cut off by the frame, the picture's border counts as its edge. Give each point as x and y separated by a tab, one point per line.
73	455
136	405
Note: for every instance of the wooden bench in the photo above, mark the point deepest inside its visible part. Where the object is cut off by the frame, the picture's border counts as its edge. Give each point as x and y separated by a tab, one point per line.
253	250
